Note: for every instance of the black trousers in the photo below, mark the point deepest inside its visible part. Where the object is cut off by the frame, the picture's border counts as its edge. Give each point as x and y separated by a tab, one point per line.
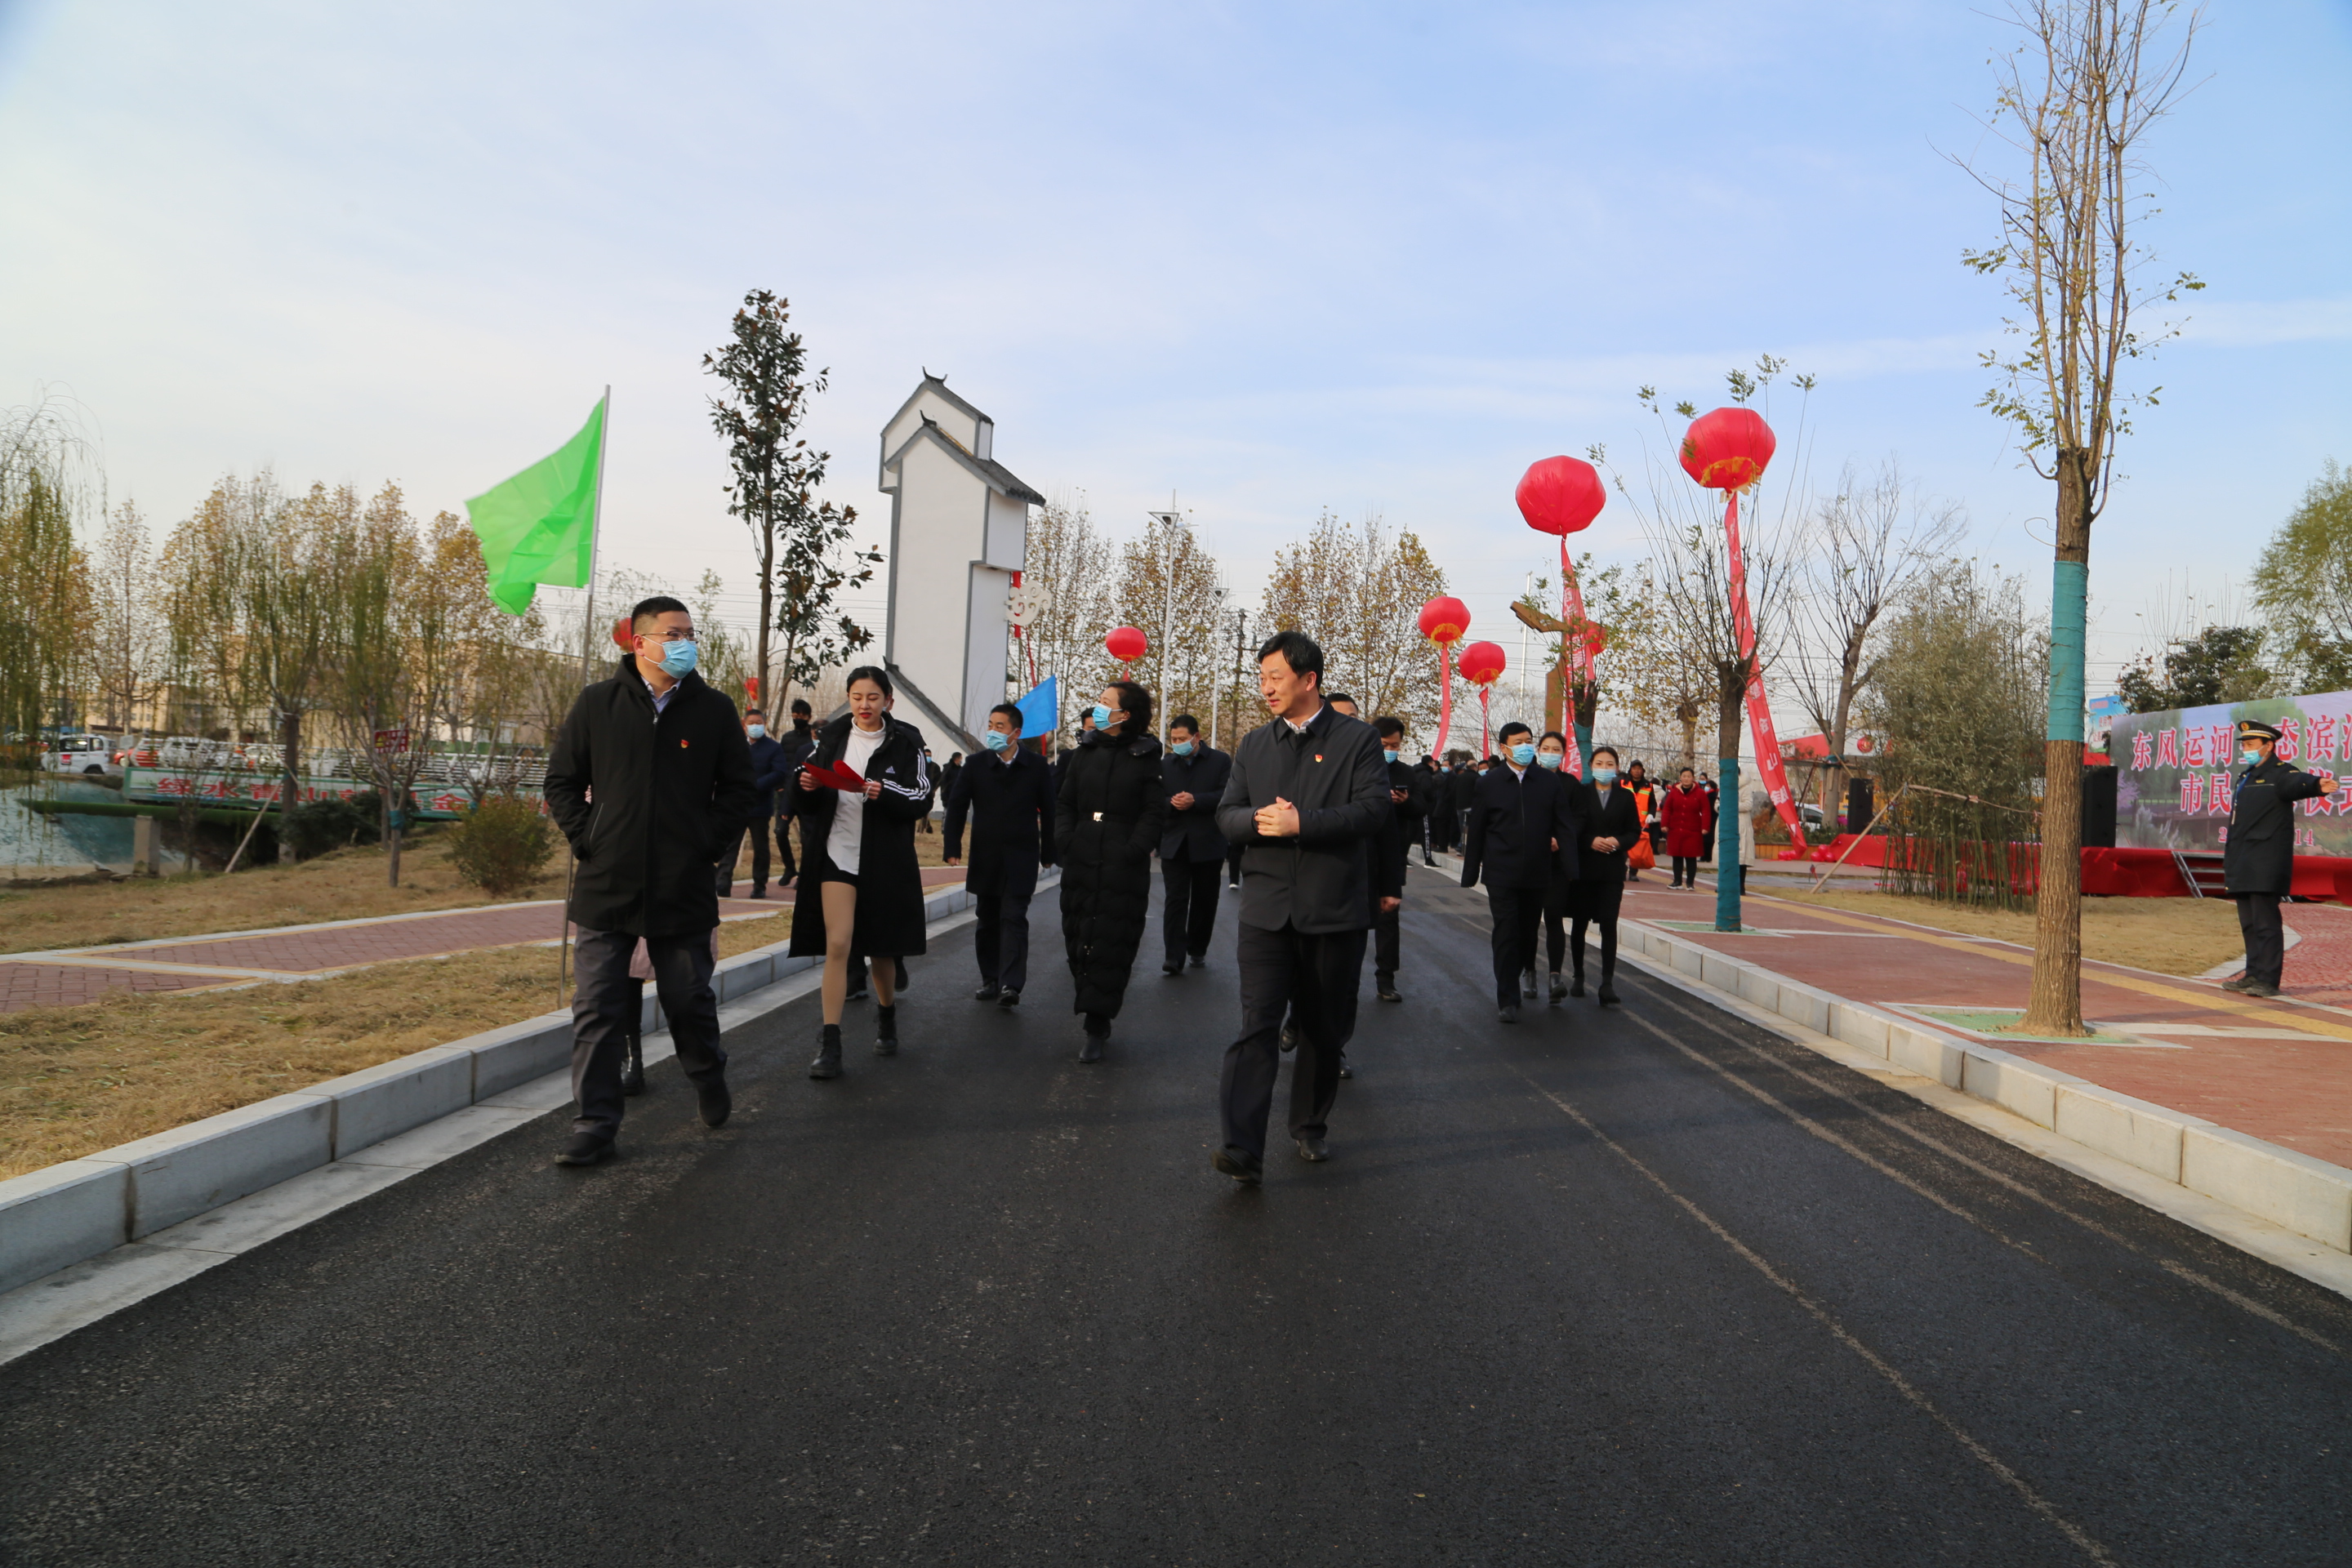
1516	912
1384	942
603	1016
1596	903
1559	905
787	868
1686	870
1314	978
757	833
2258	922
1233	865
1001	895
1188	917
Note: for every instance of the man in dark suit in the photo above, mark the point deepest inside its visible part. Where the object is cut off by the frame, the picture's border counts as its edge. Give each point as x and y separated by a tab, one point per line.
1407	821
799	744
1009	796
1307	788
769	771
1192	851
1522	823
2259	855
1459	789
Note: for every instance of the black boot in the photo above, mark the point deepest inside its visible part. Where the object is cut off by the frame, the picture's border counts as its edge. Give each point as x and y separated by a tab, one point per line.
828	1054
633	1065
1576	984
1559	988
1608	992
885	1030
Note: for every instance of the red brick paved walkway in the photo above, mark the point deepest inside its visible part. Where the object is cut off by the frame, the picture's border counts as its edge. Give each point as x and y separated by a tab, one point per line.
234	958
2274	1070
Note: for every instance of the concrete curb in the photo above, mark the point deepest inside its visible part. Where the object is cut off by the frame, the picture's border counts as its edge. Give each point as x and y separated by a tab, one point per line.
2293	1191
53	1218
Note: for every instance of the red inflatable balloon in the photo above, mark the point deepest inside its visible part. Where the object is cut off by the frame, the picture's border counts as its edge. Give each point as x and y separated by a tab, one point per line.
1126	644
1726	450
1482	663
1561	495
1444	619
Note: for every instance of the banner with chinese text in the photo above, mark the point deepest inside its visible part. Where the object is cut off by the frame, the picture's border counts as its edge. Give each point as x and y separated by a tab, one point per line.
2176	772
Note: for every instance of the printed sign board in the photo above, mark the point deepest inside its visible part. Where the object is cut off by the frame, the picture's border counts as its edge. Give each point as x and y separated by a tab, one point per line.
2178	769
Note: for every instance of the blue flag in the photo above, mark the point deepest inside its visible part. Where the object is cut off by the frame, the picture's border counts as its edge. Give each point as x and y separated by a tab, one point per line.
1040	710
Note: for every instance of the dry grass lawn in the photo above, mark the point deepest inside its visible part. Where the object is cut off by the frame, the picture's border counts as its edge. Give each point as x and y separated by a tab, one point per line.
77	1079
346	885
2172	936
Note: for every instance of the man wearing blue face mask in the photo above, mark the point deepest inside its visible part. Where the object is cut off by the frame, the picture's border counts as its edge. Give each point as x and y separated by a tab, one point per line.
1523	825
670	771
1009	796
769	770
1192	848
2259	854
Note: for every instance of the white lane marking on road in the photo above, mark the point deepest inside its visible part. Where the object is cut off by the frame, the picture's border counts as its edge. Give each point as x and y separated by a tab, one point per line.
2179	1271
1911	1391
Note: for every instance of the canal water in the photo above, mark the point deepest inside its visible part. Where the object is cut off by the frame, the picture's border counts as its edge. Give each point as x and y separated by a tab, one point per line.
34	845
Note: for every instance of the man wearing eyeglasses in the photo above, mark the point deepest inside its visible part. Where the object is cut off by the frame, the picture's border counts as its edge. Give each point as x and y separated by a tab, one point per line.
650	779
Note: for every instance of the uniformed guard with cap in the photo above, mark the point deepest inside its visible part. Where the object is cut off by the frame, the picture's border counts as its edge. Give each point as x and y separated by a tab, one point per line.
2259	858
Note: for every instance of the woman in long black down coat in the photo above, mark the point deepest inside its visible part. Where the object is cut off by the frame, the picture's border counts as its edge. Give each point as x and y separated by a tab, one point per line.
1107	823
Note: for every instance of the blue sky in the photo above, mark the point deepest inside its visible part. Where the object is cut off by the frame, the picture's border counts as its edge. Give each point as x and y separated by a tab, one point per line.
1272	258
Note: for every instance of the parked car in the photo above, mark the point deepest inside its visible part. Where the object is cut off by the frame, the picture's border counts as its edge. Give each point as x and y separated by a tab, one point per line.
92	756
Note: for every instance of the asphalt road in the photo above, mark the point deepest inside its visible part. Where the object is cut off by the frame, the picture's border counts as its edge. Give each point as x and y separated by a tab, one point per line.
1636	1286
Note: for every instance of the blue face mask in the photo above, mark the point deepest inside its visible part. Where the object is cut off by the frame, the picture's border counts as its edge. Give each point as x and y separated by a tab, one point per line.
2249	757
1102	717
1389	753
1604	775
1523	754
755	731
996	740
1182	748
678	658
1551	759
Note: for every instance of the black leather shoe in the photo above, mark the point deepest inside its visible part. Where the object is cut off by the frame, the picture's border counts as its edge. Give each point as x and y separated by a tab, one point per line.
717	1104
1240	1167
1385	989
1509	1014
1576	986
1009	998
1559	988
1314	1151
885	1030
1345	1070
1608	993
1289	1039
1200	960
828	1054
1173	967
758	889
857	993
585	1149
988	993
2240	984
2261	988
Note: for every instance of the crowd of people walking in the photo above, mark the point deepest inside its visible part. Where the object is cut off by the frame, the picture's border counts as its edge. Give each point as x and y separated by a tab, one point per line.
655	781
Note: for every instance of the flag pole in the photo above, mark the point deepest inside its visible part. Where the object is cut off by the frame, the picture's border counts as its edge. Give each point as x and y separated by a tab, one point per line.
597	533
587	653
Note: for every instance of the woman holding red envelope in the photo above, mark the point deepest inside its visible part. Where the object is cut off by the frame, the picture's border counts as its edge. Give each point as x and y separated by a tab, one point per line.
861	890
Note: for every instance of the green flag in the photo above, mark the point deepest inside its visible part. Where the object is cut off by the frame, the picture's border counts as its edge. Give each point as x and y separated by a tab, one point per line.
541	525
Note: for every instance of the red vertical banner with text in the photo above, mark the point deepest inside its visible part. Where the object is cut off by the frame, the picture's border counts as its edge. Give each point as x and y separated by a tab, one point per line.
1760	708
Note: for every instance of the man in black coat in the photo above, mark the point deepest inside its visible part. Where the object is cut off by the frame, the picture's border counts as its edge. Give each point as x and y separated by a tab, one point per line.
1523	824
1459	790
1425	777
799	744
1408	820
2259	855
1307	788
1009	796
1192	851
770	770
649	779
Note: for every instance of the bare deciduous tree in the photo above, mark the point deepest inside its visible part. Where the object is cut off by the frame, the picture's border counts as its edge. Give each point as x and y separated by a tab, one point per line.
2076	100
1358	592
1871	539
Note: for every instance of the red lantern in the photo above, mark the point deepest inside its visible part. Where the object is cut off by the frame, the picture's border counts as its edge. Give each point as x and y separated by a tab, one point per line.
1444	621
1561	495
1126	644
752	686
1482	665
1726	450
622	637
